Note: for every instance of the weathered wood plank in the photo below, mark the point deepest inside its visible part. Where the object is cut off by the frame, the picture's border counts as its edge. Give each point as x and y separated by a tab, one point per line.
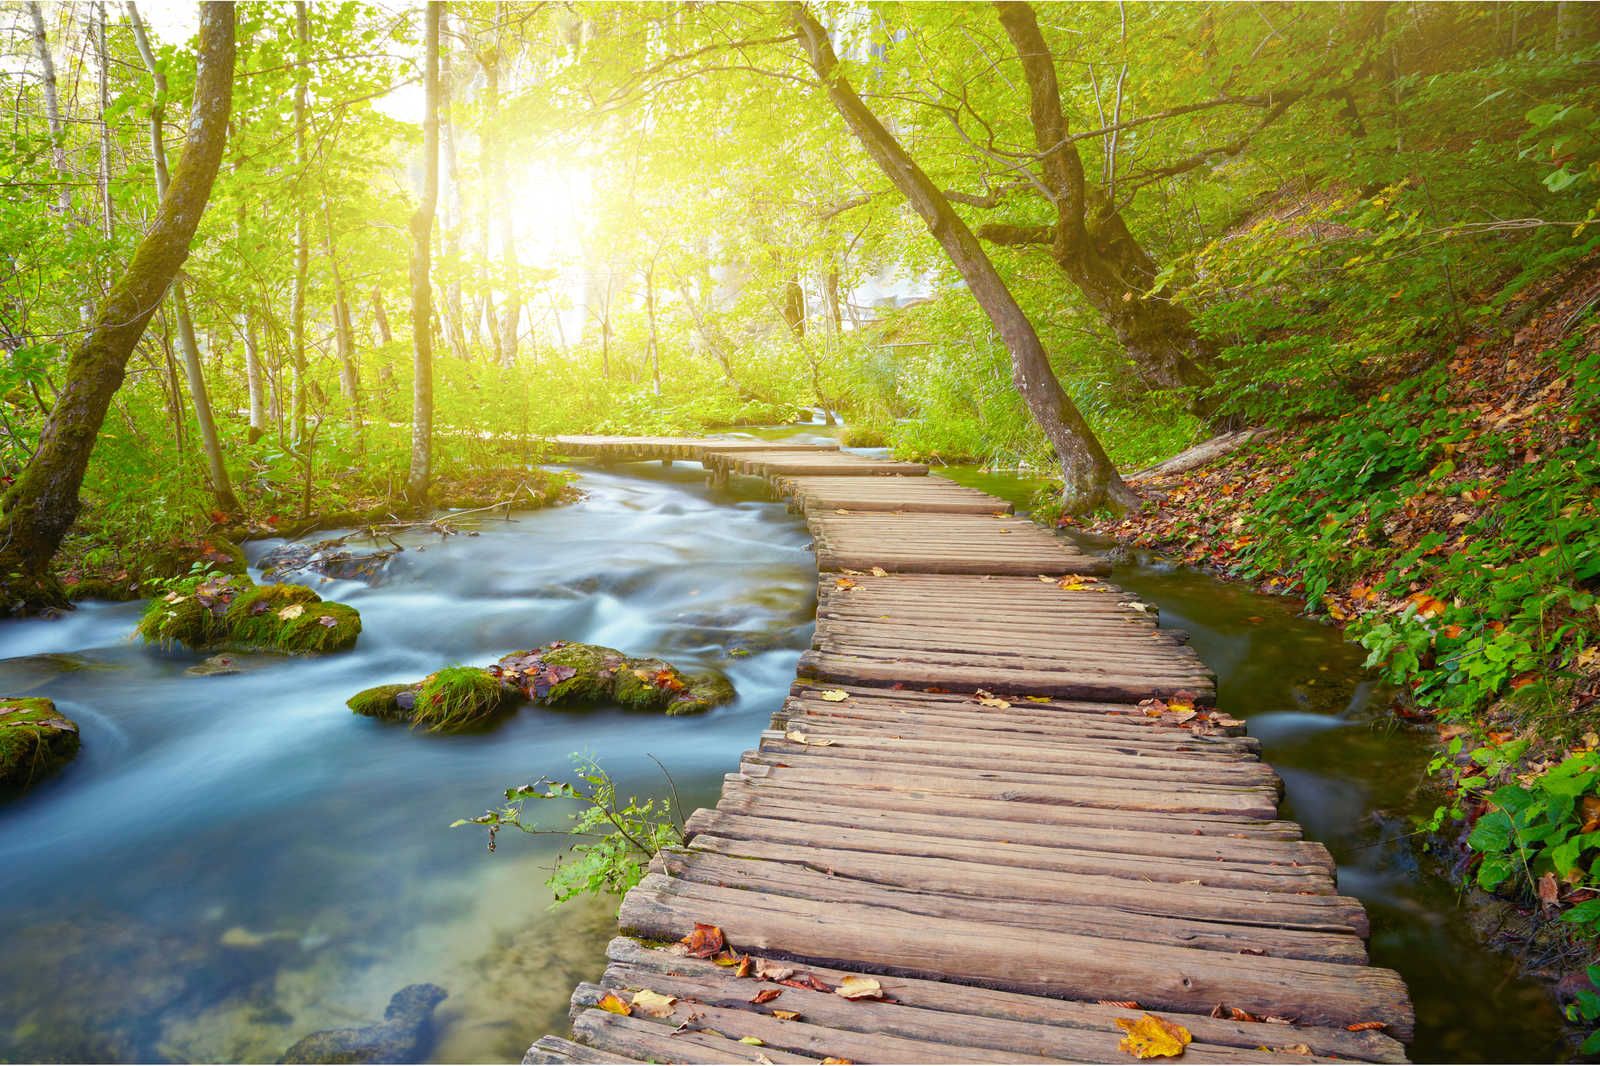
962	1002
1060	965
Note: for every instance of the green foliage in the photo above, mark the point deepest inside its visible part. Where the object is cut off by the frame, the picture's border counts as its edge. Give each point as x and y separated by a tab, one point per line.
618	837
1585	1010
456	698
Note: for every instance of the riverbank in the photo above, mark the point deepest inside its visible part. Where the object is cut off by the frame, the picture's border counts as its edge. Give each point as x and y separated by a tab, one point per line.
1450	524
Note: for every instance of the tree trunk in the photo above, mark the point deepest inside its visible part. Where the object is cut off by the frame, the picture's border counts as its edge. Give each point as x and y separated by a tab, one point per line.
499	198
421	474
101	73
455	330
255	380
344	335
52	109
302	238
380	317
193	371
794	307
650	315
42	505
1090	479
1090	241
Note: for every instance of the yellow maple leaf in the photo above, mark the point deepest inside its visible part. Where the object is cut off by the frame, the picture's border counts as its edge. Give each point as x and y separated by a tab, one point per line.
610	1002
1150	1037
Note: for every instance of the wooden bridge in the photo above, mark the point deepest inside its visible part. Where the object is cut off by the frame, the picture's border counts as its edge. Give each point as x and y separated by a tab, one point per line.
995	821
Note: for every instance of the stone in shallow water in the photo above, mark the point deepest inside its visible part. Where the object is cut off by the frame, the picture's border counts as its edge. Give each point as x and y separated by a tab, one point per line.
231	663
404	1035
35	739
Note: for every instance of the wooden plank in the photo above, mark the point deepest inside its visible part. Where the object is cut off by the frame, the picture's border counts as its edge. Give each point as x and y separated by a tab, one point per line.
1007	812
1001	1010
1109	795
889	493
1060	965
804	1039
555	1049
1084	682
640	1040
1315	912
777	878
961	825
1136	771
1219	871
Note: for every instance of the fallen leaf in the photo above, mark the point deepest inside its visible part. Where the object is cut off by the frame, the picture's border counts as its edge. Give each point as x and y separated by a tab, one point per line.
1037	699
878	571
769	971
174	597
704	942
1125	1004
1362	1027
754	1041
805	980
1150	1037
291	612
327	620
1294	1049
854	987
994	701
786	1015
1591	814
766	995
831	1061
836	695
653	1004
729	957
610	1002
844	583
743	969
801	738
1549	892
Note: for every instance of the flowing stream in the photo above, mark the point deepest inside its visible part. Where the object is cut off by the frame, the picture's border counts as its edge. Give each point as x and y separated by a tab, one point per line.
234	862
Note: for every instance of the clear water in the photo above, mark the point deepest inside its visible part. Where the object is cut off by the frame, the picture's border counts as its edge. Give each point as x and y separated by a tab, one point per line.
234	862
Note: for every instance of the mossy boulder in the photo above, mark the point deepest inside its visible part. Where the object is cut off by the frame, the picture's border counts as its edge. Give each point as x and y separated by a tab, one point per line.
560	674
232	613
404	1035
451	700
564	674
35	739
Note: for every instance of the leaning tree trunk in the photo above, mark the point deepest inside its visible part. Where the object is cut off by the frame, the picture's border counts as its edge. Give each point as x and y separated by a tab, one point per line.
1090	240
421	286
39	509
1090	479
193	371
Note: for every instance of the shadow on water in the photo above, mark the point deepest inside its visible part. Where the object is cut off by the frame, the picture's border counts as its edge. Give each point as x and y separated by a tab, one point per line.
234	862
1351	774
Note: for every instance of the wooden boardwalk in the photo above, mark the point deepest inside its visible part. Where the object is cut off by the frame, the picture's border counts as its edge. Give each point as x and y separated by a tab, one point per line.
995	804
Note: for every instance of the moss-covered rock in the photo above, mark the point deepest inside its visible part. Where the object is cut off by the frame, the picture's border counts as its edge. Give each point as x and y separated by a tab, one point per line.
560	674
232	613
35	739
383	701
456	698
564	674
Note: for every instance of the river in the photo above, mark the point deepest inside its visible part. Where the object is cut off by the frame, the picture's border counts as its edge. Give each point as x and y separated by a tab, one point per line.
234	862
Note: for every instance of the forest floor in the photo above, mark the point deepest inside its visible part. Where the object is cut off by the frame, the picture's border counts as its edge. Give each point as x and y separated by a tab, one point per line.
1451	523
93	566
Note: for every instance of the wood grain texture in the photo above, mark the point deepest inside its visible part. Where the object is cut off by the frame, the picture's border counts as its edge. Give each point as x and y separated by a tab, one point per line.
997	786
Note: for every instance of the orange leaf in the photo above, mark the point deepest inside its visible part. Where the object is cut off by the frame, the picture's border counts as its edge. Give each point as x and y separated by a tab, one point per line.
610	1002
1362	1027
766	995
704	942
786	1015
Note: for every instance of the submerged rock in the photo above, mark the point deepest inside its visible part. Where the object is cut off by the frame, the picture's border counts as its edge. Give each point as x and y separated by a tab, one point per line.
35	739
230	663
404	1035
331	558
235	614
